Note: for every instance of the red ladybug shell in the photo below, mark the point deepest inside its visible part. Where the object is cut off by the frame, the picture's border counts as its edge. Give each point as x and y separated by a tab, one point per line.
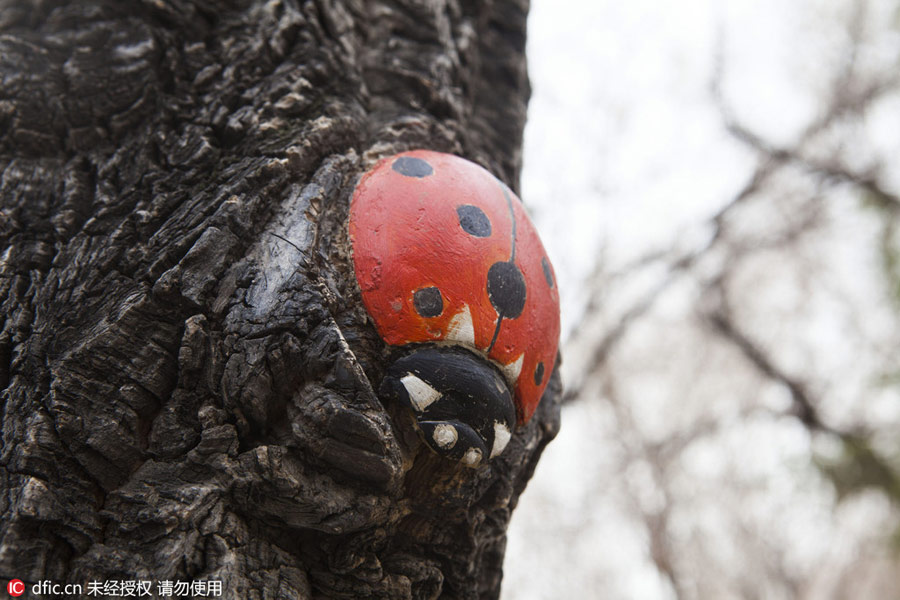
433	251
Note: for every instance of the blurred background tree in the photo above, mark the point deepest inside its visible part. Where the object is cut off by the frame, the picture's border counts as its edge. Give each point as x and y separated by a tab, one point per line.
732	359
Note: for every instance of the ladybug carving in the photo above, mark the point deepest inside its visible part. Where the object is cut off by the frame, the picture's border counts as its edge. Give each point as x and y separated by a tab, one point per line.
452	270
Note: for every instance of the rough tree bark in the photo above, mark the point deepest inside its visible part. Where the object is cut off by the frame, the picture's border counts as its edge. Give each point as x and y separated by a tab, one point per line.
187	396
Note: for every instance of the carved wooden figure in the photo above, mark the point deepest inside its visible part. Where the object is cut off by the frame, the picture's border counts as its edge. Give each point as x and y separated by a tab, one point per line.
452	270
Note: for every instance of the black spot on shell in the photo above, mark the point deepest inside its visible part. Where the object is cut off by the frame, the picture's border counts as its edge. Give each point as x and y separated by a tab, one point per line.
473	221
539	373
548	274
412	167
428	302
506	289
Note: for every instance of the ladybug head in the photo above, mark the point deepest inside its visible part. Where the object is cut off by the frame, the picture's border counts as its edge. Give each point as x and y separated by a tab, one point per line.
462	403
450	266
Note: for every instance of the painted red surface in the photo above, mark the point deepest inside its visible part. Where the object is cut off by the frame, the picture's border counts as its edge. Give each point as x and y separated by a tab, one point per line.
406	235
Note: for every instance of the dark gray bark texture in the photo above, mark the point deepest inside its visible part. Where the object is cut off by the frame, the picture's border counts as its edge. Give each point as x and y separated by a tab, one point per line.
185	394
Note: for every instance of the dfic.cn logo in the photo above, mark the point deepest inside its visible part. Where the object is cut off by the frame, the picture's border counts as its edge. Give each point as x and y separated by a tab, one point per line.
15	587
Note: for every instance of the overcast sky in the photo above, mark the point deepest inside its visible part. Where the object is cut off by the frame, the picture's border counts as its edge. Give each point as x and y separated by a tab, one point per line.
626	154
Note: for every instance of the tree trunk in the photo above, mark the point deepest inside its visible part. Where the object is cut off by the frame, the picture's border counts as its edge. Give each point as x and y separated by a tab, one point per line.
188	368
